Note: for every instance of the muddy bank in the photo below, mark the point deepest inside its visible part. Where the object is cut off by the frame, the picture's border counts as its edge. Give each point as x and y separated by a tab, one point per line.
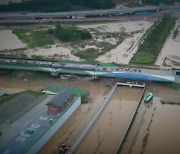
9	41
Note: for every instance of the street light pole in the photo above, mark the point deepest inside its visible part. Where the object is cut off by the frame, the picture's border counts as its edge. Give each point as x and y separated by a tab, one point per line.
98	136
110	113
120	103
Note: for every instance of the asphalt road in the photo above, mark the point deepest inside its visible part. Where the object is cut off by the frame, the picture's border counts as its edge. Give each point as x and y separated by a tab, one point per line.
78	13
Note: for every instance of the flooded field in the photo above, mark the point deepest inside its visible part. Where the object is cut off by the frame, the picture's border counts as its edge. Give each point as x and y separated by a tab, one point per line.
123	53
107	132
156	127
9	41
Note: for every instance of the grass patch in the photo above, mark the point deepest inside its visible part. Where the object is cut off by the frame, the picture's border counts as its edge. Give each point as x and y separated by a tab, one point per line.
143	59
70	33
9	97
14	55
34	38
149	50
170	103
84	99
34	93
175	86
157	2
89	54
77	92
145	139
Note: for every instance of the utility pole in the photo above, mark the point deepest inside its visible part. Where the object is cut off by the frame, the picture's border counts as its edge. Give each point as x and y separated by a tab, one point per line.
110	113
120	103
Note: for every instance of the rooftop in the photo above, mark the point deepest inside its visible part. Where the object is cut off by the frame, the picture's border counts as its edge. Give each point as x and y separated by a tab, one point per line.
61	97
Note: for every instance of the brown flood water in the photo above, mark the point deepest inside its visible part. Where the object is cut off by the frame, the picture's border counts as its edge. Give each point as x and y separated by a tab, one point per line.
112	123
76	123
164	136
156	126
164	132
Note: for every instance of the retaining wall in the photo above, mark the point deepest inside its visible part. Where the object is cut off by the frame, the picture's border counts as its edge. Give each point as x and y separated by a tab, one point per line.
36	147
93	119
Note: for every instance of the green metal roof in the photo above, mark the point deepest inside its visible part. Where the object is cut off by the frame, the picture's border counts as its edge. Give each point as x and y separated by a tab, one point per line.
1	93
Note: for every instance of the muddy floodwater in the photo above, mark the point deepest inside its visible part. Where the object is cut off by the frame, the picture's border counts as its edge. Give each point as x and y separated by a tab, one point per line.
156	126
155	129
108	130
8	40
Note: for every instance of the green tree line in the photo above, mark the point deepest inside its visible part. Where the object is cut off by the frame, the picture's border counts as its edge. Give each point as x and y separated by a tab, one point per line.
67	34
55	5
149	50
157	2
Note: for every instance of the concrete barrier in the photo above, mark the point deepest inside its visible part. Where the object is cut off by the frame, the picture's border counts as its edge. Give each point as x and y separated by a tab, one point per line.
121	143
92	120
44	139
131	84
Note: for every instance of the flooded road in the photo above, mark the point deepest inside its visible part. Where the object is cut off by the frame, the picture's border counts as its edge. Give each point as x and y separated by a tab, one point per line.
96	89
164	136
156	126
77	122
107	132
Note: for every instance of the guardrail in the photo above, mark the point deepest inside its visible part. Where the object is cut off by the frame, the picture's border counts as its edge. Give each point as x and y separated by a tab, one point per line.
125	134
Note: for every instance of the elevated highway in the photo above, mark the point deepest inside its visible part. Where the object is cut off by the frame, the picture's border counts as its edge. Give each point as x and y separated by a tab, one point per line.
56	68
79	14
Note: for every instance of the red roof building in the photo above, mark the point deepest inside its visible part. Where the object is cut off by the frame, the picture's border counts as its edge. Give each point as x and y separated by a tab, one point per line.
60	102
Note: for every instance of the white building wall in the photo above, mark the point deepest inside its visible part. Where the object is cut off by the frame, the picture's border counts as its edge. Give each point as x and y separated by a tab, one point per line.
36	147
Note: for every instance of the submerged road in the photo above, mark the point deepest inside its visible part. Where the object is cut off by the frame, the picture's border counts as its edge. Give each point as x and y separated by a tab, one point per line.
108	131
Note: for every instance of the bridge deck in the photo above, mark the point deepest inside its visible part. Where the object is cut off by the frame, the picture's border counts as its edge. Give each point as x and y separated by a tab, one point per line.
55	68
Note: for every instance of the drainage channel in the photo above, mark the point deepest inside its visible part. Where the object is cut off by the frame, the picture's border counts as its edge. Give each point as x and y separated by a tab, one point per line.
110	115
